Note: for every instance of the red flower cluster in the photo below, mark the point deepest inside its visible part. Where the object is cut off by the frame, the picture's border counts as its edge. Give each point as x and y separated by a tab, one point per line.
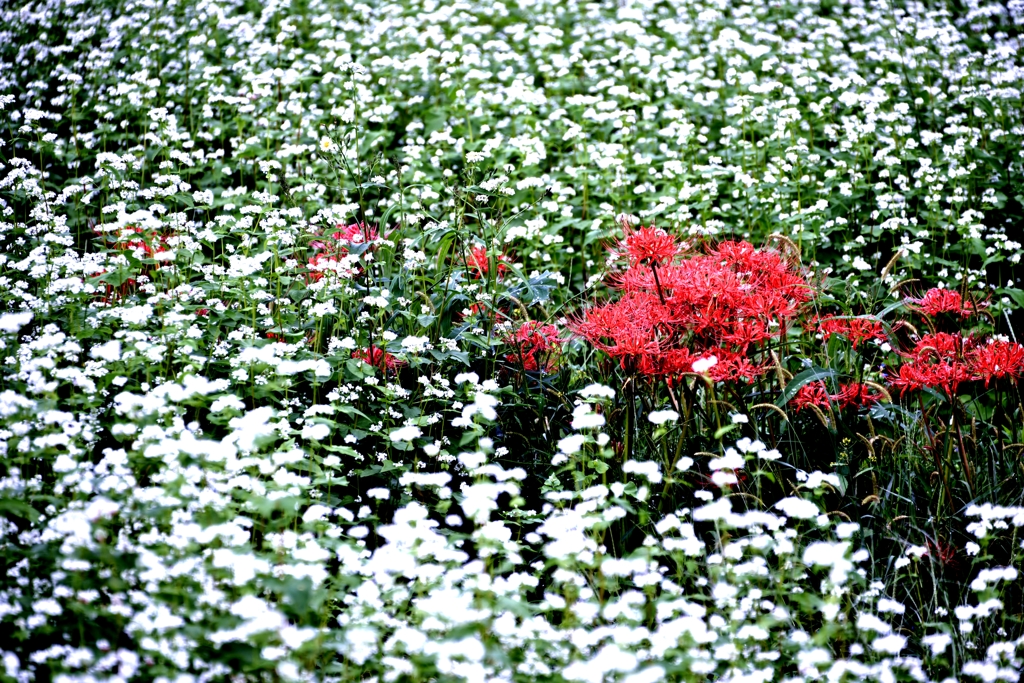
537	347
479	262
133	239
812	394
856	395
330	252
378	358
945	361
937	301
725	303
852	395
647	246
857	330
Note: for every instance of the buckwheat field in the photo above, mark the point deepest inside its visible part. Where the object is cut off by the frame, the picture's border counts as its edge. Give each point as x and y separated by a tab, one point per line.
494	341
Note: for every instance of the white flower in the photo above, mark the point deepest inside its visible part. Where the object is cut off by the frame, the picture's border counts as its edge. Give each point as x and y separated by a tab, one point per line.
315	432
938	642
889	605
225	402
483	404
723	478
251	426
597	391
869	622
891	644
584	418
407	433
702	365
315	512
798	508
12	322
136	315
846	529
110	352
571	444
415	344
322	309
660	417
648	469
832	555
731	461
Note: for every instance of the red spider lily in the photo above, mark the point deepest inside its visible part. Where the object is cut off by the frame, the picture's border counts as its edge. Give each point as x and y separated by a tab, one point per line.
668	364
357	233
537	346
377	357
624	326
997	359
734	366
330	254
746	333
937	361
855	395
479	262
944	360
647	246
112	294
728	302
941	346
134	238
937	301
329	262
945	375
318	264
944	552
812	394
857	330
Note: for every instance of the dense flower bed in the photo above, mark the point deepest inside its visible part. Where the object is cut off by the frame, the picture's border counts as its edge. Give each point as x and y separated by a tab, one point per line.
420	341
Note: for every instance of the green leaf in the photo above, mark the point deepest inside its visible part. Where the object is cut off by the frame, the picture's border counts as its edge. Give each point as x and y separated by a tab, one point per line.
887	310
1016	294
19	508
812	374
722	431
534	293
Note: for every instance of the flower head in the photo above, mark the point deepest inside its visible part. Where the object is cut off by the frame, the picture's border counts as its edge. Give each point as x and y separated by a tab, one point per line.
856	395
479	262
936	301
857	330
537	346
811	394
377	357
727	303
647	246
356	233
997	359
